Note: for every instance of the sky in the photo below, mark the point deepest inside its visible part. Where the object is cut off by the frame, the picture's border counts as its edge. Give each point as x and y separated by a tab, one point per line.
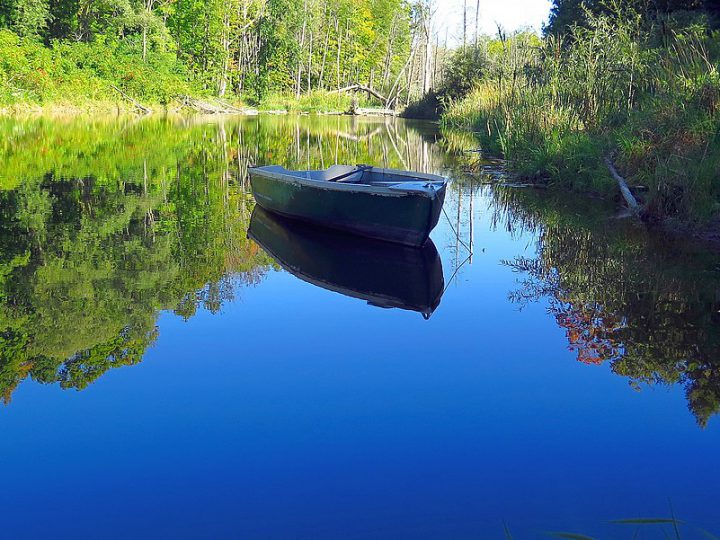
510	14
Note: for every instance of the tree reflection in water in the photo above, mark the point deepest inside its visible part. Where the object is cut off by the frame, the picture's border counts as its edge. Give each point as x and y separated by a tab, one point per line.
111	224
645	303
103	224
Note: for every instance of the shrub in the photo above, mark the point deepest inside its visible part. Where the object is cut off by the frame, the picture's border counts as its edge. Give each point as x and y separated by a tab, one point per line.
649	95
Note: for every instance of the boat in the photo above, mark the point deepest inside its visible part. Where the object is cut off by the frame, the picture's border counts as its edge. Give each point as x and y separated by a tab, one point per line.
383	274
386	204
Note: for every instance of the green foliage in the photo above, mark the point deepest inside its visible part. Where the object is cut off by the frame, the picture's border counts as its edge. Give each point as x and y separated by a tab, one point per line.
465	67
649	95
313	102
568	15
73	50
462	72
280	51
29	18
80	72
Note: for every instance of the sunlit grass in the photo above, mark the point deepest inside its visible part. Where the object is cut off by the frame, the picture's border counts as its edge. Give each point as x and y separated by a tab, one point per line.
314	102
556	110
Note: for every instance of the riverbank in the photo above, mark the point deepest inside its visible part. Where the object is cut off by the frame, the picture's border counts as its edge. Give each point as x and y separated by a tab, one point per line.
100	77
558	111
313	103
321	103
668	151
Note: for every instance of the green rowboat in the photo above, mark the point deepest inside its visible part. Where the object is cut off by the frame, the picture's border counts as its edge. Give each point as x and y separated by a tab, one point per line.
386	204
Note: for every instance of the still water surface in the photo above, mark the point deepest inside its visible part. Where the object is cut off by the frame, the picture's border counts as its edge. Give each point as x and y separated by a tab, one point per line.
164	376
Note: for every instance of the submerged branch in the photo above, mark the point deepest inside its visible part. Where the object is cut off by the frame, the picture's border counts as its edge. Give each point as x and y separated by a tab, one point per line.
624	189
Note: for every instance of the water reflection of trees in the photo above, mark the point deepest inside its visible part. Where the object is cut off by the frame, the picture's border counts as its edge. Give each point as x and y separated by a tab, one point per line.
646	304
311	142
104	224
98	237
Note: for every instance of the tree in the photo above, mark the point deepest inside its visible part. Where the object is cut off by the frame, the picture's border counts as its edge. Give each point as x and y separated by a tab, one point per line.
279	53
28	18
566	13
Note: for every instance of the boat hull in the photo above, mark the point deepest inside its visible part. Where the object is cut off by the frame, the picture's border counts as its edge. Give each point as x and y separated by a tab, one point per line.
383	274
395	216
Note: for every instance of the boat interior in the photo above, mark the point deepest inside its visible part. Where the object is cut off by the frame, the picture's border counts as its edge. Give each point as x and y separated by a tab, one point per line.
362	175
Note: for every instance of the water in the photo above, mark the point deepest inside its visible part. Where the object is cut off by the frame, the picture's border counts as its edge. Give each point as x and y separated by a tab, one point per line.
163	376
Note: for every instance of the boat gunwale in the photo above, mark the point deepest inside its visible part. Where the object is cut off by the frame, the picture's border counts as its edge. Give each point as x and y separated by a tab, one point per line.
431	193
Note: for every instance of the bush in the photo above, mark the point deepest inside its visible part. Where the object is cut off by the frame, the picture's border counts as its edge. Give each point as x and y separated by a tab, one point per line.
616	88
76	73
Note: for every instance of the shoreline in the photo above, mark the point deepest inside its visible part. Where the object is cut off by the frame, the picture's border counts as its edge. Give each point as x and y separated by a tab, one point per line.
113	108
707	233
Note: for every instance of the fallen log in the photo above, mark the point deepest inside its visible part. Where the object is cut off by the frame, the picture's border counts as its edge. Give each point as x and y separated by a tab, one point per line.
201	106
137	104
219	107
228	106
520	186
360	88
357	138
357	111
624	189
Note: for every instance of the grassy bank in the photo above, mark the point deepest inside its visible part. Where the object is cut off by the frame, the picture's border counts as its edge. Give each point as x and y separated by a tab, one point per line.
81	75
314	102
645	94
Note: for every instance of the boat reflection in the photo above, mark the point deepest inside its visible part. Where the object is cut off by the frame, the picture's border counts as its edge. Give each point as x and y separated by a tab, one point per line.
384	274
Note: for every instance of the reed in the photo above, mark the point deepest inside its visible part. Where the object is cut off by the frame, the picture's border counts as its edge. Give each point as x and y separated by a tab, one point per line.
317	101
646	94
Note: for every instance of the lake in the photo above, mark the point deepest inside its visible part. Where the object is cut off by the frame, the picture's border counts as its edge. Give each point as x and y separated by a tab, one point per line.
543	366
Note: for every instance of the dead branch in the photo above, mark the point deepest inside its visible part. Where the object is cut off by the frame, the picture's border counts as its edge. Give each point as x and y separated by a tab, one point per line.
137	104
360	88
624	189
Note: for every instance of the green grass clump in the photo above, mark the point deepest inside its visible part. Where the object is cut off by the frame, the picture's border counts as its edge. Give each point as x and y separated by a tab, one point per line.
317	101
75	73
646	95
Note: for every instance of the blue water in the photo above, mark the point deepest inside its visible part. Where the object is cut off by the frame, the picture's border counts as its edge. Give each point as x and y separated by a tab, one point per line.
297	412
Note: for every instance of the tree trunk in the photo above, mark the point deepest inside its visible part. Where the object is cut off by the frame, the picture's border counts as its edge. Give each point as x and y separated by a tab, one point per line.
339	47
321	81
464	23
427	65
477	23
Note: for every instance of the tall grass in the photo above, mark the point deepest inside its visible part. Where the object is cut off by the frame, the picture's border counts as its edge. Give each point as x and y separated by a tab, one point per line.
646	94
313	102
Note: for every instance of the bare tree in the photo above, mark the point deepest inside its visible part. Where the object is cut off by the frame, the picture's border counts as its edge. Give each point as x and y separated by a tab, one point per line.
428	14
465	13
477	22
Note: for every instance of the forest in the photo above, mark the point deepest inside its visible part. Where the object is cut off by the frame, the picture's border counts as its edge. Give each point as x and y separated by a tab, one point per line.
76	51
